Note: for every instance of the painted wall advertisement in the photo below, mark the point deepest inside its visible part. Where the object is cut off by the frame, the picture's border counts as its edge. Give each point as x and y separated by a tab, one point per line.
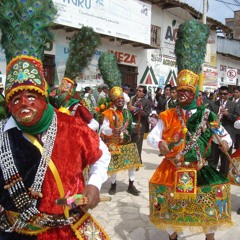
131	21
210	77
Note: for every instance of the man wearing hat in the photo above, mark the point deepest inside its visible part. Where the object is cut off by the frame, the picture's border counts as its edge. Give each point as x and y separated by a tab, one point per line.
43	152
116	133
187	194
140	107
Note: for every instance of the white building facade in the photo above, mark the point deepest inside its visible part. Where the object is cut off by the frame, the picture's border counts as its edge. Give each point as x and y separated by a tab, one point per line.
127	28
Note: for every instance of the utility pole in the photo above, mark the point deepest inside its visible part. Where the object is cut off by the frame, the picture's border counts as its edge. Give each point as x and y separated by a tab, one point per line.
204	20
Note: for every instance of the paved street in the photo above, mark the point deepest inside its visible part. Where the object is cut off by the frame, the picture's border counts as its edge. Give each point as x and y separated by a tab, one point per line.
126	217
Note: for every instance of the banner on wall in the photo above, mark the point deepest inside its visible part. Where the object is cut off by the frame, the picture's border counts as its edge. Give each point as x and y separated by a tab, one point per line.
131	21
211	51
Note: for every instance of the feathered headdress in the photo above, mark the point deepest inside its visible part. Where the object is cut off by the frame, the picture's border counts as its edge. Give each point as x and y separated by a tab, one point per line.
25	32
190	50
81	49
109	70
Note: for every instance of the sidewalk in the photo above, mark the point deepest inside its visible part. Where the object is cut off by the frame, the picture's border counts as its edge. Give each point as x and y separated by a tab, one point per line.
126	217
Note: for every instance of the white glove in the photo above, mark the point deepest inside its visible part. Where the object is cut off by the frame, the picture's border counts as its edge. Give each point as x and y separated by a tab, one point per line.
237	124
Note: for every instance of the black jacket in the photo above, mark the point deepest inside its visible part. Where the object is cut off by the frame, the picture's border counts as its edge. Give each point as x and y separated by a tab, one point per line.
227	121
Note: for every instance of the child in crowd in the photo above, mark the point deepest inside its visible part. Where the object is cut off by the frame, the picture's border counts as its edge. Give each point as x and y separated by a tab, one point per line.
153	118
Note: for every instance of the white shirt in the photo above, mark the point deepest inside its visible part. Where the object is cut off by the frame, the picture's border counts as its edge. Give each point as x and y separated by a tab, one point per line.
98	170
101	95
94	125
237	124
105	126
156	134
92	98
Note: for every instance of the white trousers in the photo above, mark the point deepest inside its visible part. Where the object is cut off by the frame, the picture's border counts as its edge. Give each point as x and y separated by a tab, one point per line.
131	175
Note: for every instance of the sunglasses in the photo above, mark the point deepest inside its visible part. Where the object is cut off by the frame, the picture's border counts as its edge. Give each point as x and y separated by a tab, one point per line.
223	93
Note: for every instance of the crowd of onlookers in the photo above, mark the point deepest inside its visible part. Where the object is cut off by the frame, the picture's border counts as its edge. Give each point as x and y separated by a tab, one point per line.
161	99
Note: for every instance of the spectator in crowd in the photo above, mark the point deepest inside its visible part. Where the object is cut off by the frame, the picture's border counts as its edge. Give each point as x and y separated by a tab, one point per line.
236	99
1	90
3	107
153	118
172	101
132	92
96	92
200	98
89	99
236	94
140	108
161	106
212	96
158	94
228	113
126	91
104	93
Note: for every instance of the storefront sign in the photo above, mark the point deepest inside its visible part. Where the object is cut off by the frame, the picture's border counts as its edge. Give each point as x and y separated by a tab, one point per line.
123	57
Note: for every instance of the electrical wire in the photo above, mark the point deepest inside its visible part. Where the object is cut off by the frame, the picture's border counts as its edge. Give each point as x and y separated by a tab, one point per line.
235	4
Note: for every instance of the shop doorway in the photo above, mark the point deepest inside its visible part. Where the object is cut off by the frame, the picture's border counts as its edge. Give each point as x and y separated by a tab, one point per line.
49	68
129	75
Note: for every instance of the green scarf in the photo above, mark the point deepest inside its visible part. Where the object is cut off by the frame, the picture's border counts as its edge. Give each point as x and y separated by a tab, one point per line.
42	125
70	102
191	106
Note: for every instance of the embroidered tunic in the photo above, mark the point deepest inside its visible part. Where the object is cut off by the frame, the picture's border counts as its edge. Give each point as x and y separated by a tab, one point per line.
75	147
124	154
210	206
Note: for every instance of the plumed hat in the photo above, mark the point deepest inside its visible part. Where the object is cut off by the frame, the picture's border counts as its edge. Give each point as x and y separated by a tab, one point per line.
25	33
81	48
115	93
109	70
190	50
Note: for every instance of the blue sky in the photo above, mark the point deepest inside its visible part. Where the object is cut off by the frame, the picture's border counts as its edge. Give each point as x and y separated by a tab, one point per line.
218	9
